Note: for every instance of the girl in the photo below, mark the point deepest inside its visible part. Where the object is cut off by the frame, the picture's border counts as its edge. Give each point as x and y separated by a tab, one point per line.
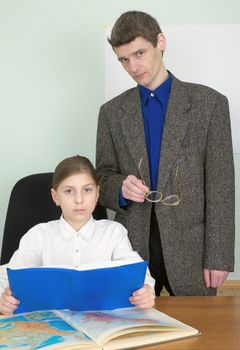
75	238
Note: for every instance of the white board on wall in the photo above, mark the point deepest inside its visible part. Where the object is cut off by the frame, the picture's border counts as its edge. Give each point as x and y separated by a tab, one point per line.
205	54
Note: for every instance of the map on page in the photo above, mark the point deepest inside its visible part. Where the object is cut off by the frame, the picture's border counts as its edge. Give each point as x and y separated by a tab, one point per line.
37	330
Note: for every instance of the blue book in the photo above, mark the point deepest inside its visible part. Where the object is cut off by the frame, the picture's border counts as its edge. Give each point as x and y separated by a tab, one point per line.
54	288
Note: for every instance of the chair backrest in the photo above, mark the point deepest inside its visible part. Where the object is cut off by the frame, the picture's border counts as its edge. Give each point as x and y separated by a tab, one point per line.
30	203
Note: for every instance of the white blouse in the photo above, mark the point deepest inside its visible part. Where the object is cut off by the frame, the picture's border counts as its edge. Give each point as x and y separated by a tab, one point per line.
57	243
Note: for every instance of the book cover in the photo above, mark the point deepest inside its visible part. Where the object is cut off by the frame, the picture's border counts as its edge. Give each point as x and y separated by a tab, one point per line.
106	329
50	288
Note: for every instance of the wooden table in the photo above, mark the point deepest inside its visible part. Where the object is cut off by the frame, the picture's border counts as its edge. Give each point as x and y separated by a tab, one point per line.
218	319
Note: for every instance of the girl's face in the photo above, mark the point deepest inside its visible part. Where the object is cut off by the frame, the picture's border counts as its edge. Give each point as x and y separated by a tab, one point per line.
77	196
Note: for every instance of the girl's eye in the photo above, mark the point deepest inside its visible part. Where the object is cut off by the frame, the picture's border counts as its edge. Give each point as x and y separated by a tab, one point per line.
88	190
68	191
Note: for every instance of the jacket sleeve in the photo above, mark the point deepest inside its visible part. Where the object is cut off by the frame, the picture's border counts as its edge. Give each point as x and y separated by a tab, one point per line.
220	194
107	165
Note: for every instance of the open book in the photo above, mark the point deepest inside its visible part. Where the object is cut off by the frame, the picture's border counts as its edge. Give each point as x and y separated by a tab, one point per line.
104	287
108	330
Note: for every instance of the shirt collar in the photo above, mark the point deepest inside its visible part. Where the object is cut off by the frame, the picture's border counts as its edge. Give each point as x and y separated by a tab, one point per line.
68	232
162	91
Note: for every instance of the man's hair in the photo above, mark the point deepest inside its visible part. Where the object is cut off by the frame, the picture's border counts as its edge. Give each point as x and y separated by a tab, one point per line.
133	24
70	166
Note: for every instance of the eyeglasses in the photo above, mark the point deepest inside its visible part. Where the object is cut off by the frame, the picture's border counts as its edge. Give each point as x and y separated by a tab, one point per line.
156	196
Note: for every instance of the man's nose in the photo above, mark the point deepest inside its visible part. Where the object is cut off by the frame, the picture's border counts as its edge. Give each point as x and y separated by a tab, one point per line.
133	66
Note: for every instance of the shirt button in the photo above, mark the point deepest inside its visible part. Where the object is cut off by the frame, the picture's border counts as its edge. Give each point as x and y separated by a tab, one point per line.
152	94
76	250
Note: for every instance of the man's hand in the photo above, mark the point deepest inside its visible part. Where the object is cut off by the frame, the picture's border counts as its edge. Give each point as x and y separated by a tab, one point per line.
143	298
214	278
134	189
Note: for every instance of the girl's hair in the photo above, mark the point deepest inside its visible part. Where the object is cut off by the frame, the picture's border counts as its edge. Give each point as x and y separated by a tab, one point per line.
70	166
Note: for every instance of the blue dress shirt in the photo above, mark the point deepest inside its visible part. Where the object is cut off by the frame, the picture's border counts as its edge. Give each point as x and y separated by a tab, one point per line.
154	107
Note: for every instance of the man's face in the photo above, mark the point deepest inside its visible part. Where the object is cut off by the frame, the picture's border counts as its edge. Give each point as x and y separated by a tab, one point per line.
143	61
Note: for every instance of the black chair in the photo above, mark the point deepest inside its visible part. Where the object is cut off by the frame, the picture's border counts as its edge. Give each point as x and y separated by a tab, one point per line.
31	203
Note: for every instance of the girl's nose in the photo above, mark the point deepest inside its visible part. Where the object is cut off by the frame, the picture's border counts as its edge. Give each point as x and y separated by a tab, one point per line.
79	197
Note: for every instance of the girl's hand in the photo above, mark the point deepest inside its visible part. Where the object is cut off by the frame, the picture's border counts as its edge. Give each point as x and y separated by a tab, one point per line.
143	298
7	302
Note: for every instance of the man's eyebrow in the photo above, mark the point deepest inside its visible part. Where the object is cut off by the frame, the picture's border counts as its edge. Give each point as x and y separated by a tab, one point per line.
132	54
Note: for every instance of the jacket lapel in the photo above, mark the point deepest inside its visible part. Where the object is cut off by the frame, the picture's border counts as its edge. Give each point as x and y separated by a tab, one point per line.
176	122
133	131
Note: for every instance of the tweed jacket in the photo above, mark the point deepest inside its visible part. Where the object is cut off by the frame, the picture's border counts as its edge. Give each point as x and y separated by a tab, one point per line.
199	232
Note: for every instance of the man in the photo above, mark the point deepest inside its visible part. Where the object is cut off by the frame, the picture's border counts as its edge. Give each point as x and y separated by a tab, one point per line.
165	165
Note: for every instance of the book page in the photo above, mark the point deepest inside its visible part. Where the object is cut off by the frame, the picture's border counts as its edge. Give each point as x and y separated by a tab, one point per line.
39	330
88	266
146	337
101	326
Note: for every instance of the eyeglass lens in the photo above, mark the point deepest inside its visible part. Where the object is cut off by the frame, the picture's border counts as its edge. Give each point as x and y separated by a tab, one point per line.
155	197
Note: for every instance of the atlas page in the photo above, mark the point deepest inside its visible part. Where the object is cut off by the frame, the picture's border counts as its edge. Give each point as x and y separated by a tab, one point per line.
41	330
128	327
107	329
